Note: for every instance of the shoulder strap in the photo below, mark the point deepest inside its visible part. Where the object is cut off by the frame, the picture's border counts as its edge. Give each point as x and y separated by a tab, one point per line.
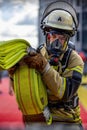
65	59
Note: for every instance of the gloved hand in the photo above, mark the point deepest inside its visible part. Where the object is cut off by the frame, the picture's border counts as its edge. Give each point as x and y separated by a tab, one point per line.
31	51
36	61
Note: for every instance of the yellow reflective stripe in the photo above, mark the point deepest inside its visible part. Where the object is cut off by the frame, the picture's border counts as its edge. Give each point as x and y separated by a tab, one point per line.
61	90
77	68
55	67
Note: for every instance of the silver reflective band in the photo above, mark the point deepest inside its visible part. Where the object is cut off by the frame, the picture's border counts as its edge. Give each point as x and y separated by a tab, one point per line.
47	67
47	115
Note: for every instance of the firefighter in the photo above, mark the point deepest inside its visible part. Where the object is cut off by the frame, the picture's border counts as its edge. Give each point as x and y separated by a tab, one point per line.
61	69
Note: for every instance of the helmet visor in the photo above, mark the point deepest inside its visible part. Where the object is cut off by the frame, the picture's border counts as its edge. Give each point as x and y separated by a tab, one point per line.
60	5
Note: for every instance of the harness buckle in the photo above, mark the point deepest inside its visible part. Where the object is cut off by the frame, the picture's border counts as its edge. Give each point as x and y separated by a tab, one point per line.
72	103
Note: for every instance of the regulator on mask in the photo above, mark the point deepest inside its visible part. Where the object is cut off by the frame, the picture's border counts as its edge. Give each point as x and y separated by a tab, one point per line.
55	49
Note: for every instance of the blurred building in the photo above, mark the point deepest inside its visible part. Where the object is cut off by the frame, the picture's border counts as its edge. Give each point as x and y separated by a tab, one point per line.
80	39
84	25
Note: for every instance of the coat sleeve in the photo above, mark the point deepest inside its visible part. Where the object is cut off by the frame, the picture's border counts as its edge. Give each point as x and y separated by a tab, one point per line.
65	86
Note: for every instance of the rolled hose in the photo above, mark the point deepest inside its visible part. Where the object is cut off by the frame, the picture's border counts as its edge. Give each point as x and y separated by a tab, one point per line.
30	92
11	51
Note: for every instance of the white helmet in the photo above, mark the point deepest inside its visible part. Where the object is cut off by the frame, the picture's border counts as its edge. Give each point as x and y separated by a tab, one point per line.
59	19
60	15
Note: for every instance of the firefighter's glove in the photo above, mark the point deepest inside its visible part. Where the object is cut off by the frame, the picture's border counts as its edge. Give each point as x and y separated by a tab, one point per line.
37	62
31	51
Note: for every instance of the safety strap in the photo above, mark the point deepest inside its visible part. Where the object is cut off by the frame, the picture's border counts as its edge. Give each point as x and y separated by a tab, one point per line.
65	59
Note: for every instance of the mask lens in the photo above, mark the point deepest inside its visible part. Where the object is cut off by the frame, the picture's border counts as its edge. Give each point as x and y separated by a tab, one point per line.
48	36
53	34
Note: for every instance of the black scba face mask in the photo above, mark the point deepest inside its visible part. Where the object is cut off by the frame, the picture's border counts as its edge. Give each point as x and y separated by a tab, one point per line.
55	49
